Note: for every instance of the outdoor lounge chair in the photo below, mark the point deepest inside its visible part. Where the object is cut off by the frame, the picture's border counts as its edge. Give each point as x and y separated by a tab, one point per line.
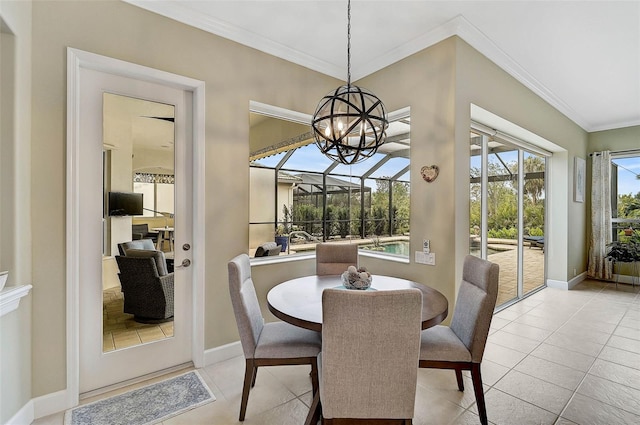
534	241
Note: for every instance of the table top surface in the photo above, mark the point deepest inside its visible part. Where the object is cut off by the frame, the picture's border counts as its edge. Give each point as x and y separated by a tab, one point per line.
162	229
299	301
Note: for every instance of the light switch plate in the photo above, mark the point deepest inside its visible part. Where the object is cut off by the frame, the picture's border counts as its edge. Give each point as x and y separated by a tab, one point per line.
424	258
430	259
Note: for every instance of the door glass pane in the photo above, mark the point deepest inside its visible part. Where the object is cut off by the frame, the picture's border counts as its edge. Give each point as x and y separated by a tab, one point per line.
502	217
140	136
475	193
534	201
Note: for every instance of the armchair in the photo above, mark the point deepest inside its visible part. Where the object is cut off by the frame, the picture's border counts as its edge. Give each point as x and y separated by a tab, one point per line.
141	231
146	285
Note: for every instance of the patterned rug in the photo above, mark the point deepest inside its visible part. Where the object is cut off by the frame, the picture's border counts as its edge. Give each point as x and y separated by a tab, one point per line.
147	405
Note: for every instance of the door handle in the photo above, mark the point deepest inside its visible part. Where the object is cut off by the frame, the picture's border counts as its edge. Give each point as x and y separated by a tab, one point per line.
185	263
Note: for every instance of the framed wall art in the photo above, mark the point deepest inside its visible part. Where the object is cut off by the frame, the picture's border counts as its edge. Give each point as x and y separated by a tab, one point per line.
579	176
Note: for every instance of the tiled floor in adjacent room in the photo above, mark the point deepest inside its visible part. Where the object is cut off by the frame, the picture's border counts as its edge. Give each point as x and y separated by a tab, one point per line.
557	357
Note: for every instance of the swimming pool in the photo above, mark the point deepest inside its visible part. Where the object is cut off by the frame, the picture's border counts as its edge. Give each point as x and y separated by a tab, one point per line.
396	248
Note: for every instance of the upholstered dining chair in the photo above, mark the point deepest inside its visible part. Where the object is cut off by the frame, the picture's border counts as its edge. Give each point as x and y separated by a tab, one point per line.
335	258
460	346
368	367
266	344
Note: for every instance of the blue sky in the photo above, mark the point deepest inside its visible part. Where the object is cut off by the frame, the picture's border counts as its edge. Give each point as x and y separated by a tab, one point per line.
628	170
310	158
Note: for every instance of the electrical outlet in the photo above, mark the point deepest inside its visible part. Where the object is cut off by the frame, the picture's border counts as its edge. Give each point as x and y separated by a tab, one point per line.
574	272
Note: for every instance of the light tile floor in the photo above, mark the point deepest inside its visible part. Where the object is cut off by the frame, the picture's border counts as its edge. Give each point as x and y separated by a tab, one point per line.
120	330
557	357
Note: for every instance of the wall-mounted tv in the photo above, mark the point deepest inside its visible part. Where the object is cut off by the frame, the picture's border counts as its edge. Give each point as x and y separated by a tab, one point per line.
125	203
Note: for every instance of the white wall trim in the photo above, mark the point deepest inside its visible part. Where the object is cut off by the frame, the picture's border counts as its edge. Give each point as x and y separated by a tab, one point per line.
50	403
223	352
23	416
10	297
76	60
57	402
559	284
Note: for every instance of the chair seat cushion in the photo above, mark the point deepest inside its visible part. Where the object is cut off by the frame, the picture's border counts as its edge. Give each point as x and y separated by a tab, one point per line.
282	340
440	343
158	256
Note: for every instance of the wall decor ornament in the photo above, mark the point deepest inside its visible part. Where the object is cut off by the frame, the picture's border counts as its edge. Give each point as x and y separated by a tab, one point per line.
430	172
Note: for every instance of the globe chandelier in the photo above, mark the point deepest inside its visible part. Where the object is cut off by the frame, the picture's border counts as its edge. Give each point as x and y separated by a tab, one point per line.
350	122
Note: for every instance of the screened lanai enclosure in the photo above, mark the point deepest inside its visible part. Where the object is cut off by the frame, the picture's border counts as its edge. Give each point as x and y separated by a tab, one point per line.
299	197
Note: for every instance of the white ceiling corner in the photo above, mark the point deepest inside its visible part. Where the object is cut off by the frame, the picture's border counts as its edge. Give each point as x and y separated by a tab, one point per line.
583	58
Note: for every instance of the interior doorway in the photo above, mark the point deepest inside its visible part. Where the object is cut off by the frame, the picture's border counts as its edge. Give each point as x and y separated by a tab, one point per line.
90	76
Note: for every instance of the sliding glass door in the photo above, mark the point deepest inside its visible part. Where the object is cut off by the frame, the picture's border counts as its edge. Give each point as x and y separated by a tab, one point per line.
507	211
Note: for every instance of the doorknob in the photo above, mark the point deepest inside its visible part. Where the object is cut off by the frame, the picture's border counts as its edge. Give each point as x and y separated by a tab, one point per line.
185	263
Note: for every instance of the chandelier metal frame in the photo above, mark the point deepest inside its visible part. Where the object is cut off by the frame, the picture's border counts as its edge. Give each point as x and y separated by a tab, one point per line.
349	124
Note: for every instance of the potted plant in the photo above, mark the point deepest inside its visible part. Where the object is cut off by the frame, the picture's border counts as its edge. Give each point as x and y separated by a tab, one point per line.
283	229
624	252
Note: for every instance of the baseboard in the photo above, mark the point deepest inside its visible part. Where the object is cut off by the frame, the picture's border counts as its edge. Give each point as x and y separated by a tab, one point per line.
573	282
50	403
222	353
23	416
561	284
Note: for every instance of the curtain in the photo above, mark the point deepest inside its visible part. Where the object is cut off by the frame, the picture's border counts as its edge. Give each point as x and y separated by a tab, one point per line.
599	266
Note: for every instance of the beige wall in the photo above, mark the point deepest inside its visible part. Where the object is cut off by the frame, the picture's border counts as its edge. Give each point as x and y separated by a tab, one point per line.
15	202
615	140
481	82
233	74
438	84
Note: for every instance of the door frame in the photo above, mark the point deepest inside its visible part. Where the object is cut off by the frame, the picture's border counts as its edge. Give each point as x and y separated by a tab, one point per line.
77	60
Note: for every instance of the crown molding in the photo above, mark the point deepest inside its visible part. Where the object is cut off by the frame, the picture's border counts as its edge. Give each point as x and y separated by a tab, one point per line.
181	13
458	26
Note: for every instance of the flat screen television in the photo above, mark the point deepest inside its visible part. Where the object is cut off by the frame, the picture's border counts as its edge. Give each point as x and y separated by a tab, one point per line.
125	203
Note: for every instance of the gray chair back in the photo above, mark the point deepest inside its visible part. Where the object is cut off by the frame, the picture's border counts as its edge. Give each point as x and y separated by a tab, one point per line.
370	349
335	258
245	304
137	244
475	304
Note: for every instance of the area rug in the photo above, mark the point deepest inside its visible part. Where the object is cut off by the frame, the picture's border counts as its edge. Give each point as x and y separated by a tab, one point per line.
147	405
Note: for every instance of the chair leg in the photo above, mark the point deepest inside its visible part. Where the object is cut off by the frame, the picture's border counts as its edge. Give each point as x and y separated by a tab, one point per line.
255	375
314	410
479	392
249	379
314	376
459	379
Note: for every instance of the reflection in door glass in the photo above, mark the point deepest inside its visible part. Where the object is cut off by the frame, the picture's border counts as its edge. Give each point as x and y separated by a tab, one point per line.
502	216
534	214
137	272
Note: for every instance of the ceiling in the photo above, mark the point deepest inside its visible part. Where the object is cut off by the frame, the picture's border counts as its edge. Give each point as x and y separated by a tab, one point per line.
583	57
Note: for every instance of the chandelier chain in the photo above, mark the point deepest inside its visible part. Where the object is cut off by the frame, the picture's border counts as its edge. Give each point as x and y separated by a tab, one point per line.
349	43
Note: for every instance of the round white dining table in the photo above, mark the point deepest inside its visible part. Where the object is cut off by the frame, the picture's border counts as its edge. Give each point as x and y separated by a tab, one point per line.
299	301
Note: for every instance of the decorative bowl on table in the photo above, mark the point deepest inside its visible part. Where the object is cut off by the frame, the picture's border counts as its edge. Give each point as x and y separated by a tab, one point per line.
356	278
